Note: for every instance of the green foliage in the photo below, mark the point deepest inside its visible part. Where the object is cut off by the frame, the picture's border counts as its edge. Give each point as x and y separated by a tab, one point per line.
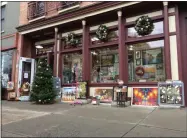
102	33
144	25
72	39
42	88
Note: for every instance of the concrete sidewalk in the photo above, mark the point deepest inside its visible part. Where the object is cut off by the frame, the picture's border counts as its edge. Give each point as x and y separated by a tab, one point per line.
23	119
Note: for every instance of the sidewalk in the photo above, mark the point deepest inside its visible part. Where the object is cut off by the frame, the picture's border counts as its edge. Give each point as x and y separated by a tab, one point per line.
63	120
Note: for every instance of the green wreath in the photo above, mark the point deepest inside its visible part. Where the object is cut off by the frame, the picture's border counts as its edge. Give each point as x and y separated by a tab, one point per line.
102	33
72	39
144	25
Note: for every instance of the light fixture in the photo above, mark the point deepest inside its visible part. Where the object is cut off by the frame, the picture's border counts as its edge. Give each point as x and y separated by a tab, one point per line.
39	47
130	47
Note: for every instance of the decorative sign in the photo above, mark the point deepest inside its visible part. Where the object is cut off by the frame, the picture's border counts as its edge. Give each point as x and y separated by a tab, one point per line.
68	94
26	75
145	96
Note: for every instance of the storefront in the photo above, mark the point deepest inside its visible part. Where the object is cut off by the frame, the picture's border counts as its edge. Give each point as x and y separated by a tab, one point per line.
141	61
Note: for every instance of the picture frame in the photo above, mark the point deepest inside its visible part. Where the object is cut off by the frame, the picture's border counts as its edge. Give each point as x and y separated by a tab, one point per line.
107	60
138	54
138	62
152	56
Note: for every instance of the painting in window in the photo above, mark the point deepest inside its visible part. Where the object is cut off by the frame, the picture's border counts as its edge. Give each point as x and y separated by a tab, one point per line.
146	62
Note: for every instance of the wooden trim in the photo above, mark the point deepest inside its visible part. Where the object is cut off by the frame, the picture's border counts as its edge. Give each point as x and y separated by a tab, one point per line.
155	19
172	14
21	39
172	33
145	38
167	44
103	84
106	44
60	61
178	43
8	48
70	50
142	84
8	36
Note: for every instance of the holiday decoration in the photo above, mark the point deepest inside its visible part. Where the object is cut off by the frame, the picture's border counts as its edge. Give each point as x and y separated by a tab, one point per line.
42	87
140	71
144	25
102	33
72	39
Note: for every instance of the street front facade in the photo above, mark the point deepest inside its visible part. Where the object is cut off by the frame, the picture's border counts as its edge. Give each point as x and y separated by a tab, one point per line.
103	42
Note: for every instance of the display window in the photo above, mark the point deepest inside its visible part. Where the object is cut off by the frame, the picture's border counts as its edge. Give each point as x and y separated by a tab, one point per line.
6	67
72	67
105	65
146	62
158	29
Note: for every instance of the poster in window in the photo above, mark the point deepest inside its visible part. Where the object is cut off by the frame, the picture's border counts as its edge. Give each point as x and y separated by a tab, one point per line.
107	60
68	94
104	94
138	54
145	96
152	56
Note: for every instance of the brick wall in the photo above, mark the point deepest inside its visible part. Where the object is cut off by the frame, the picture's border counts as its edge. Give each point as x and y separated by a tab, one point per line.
51	7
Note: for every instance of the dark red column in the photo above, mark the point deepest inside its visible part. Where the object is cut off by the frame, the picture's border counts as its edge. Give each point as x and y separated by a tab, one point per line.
85	52
123	53
55	54
167	42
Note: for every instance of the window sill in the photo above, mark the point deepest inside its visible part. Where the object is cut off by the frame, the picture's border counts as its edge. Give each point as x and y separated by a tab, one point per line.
73	7
110	43
37	19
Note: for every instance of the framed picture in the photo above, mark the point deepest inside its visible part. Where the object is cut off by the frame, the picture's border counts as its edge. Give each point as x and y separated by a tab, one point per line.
138	62
152	56
107	60
138	54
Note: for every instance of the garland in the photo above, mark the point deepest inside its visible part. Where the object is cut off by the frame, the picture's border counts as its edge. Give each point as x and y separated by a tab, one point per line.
72	39
102	33
144	25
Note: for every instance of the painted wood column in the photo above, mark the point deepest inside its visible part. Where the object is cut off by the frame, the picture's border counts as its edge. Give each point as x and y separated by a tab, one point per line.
167	42
85	52
60	57
122	50
20	46
55	53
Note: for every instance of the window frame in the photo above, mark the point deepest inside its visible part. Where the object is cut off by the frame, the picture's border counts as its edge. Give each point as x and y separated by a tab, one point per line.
3	18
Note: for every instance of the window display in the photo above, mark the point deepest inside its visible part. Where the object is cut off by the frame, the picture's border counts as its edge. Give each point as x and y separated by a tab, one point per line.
6	67
72	67
105	65
146	61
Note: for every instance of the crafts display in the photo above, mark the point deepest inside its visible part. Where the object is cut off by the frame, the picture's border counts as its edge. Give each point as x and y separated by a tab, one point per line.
170	93
144	25
102	33
145	96
72	39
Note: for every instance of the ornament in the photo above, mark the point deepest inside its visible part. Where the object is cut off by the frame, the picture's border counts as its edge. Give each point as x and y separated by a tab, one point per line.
47	69
102	33
144	25
39	100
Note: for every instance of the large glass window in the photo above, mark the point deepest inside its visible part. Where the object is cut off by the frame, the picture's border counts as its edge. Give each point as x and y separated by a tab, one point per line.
158	29
105	65
72	67
6	67
146	61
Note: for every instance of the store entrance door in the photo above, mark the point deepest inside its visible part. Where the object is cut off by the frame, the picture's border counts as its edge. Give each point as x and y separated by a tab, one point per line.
26	75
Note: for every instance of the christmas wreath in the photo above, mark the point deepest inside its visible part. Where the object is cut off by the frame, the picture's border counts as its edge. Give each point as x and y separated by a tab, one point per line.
144	25
102	33
140	71
72	39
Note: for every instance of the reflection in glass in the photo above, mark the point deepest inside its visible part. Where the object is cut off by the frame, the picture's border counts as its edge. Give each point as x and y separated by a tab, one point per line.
105	65
72	67
158	29
149	56
6	67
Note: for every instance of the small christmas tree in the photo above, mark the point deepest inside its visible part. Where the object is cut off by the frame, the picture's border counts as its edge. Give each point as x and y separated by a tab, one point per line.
42	88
